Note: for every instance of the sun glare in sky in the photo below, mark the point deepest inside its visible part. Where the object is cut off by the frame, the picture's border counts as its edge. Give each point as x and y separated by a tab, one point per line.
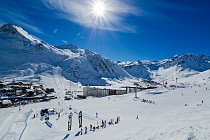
99	8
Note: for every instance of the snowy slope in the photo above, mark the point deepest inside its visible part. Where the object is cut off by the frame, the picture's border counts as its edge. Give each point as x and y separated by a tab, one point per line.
197	62
180	66
177	114
169	69
21	54
136	69
87	65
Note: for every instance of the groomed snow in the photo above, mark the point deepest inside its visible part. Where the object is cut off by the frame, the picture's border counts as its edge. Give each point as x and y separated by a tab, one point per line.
177	114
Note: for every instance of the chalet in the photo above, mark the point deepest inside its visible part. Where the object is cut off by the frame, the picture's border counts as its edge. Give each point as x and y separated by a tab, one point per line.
5	103
2	85
50	90
37	86
7	89
10	94
19	92
30	92
22	92
39	91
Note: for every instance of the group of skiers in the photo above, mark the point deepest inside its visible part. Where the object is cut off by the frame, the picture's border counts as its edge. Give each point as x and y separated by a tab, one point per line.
197	104
102	125
147	101
92	128
112	122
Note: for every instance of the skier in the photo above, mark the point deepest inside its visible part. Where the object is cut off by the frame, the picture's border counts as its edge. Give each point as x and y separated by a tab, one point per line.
202	101
116	121
85	129
104	123
81	131
59	115
91	127
111	122
137	117
96	115
97	126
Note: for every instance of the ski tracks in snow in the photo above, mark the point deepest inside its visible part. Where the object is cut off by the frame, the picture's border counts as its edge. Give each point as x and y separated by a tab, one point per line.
7	124
57	78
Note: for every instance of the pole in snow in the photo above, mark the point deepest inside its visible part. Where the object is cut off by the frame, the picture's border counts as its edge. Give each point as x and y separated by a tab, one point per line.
70	121
80	119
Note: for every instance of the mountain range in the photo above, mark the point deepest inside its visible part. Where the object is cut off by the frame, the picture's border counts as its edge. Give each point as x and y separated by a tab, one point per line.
24	55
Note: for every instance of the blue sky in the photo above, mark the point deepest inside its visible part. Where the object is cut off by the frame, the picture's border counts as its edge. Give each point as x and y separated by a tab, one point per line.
125	30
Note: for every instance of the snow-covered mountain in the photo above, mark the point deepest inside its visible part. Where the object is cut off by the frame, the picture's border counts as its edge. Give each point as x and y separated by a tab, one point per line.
136	69
88	66
177	66
197	62
22	54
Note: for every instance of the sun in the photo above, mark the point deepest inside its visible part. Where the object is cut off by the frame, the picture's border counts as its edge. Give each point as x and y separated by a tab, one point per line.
99	8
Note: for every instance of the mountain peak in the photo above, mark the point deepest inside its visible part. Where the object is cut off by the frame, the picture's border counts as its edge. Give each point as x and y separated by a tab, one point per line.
17	31
197	62
10	29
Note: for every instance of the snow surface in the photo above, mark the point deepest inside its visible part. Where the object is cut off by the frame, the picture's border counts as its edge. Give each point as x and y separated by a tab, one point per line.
178	113
168	119
23	55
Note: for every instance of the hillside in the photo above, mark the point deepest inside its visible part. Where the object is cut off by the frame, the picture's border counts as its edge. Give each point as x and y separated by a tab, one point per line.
136	69
177	114
23	55
178	66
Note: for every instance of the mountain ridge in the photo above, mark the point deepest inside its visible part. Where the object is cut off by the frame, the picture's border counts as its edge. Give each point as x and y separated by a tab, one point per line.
22	53
78	65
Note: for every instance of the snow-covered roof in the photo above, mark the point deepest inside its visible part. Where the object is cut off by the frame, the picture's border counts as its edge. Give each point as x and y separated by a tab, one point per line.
6	102
29	90
7	88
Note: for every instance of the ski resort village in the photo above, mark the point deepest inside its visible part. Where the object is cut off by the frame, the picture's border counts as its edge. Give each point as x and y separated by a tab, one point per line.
104	70
64	92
